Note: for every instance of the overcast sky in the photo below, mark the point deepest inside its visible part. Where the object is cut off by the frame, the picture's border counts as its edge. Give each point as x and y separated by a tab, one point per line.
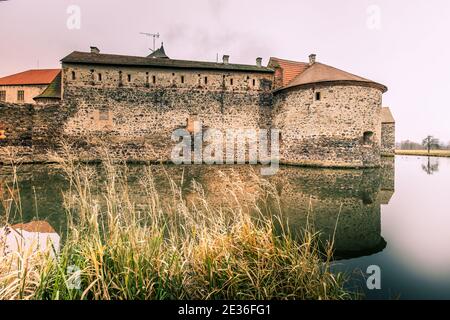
402	44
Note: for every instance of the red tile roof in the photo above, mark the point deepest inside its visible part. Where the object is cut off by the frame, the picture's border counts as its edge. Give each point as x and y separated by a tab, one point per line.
41	76
319	73
291	69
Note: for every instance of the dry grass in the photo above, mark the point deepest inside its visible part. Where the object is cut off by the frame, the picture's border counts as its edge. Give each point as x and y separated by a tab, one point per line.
172	249
433	153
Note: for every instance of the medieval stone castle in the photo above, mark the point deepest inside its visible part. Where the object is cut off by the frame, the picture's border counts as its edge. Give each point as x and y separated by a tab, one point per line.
326	116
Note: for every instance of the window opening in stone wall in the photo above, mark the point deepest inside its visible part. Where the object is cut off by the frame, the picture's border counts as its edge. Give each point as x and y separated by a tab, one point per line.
231	81
73	75
206	80
129	78
182	79
154	79
99	77
254	82
3	95
368	137
318	96
20	95
120	78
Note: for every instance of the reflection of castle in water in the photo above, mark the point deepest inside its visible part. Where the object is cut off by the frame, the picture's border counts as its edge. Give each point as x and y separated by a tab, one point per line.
344	203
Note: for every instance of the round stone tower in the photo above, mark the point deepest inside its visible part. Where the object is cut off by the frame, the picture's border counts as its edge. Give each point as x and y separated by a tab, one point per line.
328	117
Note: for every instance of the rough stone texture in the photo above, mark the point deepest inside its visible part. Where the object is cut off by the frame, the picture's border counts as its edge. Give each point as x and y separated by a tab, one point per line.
136	120
133	111
32	131
388	139
329	132
17	123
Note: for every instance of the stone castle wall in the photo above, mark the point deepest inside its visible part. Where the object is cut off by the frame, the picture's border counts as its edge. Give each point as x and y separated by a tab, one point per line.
31	131
343	128
388	139
137	118
133	111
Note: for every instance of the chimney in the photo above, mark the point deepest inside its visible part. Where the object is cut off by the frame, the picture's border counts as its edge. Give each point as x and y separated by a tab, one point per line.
226	59
258	62
312	59
95	50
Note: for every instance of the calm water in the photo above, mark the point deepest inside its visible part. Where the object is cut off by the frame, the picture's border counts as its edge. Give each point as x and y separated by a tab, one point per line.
396	217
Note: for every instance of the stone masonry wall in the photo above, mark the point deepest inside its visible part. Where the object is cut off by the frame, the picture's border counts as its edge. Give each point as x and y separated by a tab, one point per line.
135	119
341	129
31	131
132	112
388	139
17	123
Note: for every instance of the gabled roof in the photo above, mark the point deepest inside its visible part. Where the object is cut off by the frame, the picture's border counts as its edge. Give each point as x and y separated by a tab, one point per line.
322	73
30	77
121	60
53	91
159	53
386	115
291	69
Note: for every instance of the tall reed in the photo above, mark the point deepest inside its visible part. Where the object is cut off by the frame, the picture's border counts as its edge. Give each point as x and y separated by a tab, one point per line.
170	244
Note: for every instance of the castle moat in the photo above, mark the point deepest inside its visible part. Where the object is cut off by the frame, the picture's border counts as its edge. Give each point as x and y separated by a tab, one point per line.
394	217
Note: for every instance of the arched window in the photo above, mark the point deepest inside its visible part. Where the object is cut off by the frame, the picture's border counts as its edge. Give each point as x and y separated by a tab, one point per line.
368	137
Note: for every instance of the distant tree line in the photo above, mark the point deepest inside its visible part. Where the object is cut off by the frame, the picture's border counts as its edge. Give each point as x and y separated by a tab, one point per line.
428	143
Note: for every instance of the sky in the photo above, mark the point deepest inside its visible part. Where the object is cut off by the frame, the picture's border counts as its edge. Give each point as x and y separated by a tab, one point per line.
403	44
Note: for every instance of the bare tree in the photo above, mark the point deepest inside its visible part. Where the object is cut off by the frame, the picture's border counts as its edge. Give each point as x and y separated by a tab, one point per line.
429	142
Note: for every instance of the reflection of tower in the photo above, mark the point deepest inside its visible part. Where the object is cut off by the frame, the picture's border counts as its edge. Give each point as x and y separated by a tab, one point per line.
343	203
387	179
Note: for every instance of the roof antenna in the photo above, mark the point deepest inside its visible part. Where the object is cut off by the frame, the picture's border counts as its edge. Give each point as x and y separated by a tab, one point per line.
154	35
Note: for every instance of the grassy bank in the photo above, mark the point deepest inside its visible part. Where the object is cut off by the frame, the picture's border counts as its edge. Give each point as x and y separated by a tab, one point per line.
433	153
173	248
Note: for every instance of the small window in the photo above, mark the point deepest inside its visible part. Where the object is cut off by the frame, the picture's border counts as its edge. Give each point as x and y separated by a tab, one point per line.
20	95
368	137
318	96
254	82
99	77
182	79
154	79
231	81
73	75
129	78
3	95
206	80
